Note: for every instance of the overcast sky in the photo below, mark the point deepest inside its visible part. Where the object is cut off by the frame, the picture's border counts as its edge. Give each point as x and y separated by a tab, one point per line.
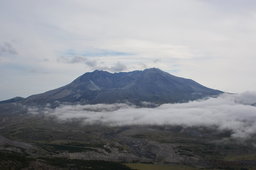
45	44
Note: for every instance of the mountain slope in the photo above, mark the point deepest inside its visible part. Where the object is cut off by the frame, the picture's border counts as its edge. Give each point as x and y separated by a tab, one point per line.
150	85
12	100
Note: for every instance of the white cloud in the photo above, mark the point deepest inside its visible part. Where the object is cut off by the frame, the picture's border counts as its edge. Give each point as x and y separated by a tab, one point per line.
227	112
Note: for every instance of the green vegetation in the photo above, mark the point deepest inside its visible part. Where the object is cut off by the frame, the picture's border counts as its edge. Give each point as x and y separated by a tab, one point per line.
13	160
251	157
84	165
17	161
141	166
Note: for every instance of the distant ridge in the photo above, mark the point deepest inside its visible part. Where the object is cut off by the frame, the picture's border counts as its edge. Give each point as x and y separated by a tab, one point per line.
150	85
12	100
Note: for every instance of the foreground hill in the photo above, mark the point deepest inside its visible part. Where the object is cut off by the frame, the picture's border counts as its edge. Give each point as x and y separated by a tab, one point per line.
150	85
41	142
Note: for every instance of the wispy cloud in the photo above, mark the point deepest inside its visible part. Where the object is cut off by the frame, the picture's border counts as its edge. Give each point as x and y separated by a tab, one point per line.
94	59
95	53
93	63
236	113
7	49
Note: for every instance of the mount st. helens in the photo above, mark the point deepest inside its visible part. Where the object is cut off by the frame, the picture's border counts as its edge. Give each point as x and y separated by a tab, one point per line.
150	85
194	135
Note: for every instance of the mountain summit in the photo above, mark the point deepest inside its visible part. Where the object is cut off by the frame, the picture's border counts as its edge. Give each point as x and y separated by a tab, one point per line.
149	85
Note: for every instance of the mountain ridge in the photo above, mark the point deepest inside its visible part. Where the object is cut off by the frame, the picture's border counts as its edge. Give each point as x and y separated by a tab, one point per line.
149	85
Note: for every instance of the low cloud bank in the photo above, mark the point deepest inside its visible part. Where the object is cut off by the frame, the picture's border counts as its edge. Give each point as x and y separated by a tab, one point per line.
235	112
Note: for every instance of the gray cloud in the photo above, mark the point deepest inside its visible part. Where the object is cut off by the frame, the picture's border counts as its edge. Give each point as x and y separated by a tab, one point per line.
117	67
72	59
93	64
233	112
7	49
78	59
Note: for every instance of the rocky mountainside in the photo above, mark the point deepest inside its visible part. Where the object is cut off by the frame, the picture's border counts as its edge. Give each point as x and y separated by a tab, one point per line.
150	85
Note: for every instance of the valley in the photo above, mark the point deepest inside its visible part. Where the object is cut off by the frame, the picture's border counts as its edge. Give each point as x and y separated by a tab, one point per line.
36	138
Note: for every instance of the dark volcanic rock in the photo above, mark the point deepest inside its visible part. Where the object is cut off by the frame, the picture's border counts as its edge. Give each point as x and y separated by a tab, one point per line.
150	85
